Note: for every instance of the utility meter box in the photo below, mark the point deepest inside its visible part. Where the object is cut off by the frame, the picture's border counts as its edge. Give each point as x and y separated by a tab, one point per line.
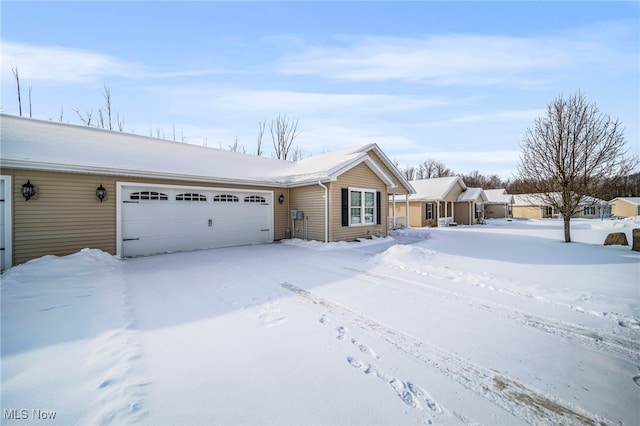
297	214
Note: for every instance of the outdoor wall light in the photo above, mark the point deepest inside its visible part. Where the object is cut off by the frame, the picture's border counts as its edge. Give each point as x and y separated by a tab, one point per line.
101	192
281	198
28	190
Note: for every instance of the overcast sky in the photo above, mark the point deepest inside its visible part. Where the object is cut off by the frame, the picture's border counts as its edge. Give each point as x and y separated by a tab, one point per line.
458	82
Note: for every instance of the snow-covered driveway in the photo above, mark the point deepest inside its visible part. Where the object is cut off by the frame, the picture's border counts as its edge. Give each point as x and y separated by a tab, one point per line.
502	324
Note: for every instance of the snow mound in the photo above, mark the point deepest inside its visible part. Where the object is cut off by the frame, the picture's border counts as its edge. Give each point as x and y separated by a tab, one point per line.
404	257
320	246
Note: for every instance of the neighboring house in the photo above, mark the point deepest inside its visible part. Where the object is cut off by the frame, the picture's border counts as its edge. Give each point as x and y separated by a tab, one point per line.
625	206
593	208
469	208
533	206
433	203
499	204
164	196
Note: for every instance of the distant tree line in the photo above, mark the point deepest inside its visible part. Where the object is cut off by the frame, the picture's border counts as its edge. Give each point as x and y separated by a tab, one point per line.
612	187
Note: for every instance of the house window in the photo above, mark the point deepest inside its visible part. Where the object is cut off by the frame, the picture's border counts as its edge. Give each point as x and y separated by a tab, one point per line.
549	211
148	195
478	211
226	198
255	199
191	197
590	211
429	211
362	207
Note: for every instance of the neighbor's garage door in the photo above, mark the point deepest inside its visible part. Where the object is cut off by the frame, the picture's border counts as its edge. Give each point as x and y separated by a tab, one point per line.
167	219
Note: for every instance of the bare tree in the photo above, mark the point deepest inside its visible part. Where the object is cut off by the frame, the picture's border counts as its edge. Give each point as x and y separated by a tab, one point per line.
283	131
14	70
61	116
86	119
236	147
570	153
107	103
30	107
409	172
261	126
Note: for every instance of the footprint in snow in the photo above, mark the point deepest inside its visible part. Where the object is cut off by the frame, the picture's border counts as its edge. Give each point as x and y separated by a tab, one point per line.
365	349
324	320
342	333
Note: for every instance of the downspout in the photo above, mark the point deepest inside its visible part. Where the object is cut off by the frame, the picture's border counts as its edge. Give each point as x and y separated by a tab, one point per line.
406	204
326	212
393	196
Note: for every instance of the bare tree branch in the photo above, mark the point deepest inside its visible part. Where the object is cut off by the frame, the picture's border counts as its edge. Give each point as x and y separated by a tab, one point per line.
14	70
283	131
572	152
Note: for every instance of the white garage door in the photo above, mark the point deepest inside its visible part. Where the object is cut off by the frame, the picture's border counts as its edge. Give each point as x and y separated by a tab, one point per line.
163	219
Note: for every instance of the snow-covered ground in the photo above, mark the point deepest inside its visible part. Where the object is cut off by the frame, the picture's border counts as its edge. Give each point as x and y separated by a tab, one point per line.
495	324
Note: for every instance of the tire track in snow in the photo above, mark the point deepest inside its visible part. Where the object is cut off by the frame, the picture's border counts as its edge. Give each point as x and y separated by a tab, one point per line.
516	398
618	346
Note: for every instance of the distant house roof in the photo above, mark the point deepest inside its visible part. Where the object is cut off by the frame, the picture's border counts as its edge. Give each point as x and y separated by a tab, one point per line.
435	189
47	145
473	194
630	200
530	199
539	200
498	196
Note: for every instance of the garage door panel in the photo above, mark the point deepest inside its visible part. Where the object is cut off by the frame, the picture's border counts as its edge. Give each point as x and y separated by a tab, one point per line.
184	221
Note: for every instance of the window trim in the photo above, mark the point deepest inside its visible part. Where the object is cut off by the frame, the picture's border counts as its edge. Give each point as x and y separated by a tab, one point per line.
226	198
149	196
363	208
190	196
429	211
255	199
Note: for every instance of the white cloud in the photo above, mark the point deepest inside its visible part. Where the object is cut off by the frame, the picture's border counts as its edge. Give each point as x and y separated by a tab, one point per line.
465	59
497	116
62	64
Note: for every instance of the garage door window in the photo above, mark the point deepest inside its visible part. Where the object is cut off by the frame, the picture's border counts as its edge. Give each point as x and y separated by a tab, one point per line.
226	198
148	195
191	197
255	199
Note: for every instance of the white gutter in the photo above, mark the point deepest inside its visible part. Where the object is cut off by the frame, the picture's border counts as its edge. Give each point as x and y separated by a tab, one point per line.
326	212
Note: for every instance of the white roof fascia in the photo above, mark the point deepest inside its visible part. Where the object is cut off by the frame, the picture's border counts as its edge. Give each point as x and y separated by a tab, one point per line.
92	170
365	158
391	167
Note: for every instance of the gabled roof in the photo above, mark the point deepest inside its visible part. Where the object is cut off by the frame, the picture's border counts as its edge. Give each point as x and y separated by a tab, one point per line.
531	199
435	189
630	200
47	145
498	196
540	200
473	194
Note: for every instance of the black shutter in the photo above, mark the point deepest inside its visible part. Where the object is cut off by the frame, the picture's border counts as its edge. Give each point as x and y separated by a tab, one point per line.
378	209
345	207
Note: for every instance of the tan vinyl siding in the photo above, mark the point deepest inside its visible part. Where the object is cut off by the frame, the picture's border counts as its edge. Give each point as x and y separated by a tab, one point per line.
528	212
624	208
417	212
492	211
65	215
399	189
361	176
462	214
309	199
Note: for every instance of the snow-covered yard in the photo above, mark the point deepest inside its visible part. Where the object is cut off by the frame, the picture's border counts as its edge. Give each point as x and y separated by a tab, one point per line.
496	324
